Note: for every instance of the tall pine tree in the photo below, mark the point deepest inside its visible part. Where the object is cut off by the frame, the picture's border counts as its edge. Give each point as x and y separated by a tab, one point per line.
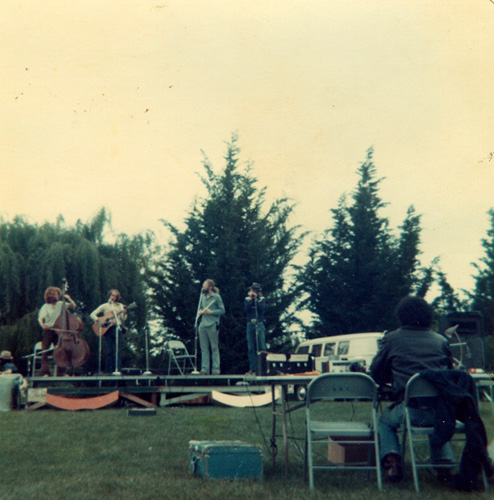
483	295
357	270
231	238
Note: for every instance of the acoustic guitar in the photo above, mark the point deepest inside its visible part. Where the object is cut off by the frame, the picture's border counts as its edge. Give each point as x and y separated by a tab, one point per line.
104	323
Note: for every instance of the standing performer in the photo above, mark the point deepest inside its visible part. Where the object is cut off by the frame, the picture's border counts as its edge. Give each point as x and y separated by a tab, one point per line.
209	311
47	316
254	307
113	314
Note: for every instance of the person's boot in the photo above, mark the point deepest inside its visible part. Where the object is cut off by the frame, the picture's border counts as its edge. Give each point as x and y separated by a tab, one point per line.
393	471
444	474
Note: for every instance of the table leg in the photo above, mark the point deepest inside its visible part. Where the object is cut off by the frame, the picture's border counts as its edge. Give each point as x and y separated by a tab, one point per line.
273	426
284	391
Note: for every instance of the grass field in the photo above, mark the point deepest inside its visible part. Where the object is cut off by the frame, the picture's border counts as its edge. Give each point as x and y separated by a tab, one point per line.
107	454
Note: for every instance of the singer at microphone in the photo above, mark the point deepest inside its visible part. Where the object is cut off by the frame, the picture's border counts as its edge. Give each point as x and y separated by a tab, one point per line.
254	307
210	309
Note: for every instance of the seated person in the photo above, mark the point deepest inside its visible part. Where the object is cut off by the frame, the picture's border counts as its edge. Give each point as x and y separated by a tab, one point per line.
7	366
410	349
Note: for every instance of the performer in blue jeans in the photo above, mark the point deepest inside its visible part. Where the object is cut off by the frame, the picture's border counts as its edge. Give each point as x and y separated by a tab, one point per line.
402	353
254	307
209	311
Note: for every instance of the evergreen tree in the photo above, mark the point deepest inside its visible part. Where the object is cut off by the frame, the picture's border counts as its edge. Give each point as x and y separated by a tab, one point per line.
358	271
230	238
448	301
483	294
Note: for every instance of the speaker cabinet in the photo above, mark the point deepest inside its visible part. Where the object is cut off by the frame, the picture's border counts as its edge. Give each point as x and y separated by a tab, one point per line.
468	346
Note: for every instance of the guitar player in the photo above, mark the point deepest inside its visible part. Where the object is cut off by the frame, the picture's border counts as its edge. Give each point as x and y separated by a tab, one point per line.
110	316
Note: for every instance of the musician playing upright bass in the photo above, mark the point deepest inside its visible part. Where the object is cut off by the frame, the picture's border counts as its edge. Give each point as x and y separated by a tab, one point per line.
47	316
116	313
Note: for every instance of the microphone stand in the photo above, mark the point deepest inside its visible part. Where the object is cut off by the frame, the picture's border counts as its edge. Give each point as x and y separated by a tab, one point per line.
257	335
146	337
196	335
100	341
117	337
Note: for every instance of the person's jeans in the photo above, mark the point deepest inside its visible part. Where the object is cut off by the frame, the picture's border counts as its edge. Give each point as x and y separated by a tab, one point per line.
209	339
251	342
392	419
49	337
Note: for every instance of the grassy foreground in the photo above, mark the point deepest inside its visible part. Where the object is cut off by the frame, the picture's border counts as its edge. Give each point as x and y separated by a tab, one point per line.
107	454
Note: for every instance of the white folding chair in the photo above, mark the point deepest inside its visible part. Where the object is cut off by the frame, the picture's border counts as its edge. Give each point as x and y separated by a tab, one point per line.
34	359
339	388
418	387
179	358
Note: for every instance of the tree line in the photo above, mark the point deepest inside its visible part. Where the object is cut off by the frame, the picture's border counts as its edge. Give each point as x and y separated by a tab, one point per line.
355	272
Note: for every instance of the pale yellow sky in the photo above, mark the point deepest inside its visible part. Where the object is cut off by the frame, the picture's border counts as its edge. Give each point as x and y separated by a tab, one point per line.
109	103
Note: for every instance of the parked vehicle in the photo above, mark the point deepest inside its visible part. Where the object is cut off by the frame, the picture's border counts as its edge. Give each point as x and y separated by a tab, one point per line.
340	353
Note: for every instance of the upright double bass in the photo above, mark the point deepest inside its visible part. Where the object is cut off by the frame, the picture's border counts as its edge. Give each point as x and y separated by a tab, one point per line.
71	350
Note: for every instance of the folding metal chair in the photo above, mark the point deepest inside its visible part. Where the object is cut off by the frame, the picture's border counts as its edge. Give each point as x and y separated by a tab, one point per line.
179	358
34	359
418	387
342	388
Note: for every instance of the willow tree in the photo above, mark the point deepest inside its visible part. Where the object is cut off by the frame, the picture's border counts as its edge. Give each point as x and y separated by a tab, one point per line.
34	257
232	236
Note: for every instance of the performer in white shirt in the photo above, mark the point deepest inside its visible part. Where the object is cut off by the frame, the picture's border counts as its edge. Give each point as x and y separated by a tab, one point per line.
110	318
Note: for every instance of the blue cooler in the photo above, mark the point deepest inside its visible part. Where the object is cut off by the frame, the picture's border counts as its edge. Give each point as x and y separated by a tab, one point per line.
225	459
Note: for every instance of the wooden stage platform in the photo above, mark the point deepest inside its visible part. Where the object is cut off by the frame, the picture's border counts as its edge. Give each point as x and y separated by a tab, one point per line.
145	390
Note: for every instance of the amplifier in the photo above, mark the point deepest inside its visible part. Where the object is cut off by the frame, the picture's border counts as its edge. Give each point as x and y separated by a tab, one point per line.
300	363
269	363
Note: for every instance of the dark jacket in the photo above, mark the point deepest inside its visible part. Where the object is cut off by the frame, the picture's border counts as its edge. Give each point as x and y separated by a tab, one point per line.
405	352
254	308
457	400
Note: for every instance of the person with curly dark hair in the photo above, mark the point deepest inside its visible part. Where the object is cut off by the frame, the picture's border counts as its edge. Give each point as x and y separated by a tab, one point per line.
47	317
402	353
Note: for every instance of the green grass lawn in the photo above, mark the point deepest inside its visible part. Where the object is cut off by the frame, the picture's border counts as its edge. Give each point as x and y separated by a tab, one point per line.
107	454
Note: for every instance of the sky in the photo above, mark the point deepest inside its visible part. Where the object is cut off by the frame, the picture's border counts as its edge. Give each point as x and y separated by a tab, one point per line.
110	103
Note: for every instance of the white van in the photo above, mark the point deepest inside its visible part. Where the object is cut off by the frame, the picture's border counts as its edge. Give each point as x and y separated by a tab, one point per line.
341	350
337	353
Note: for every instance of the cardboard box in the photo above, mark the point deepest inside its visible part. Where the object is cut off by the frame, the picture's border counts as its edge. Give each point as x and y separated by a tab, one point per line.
350	453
